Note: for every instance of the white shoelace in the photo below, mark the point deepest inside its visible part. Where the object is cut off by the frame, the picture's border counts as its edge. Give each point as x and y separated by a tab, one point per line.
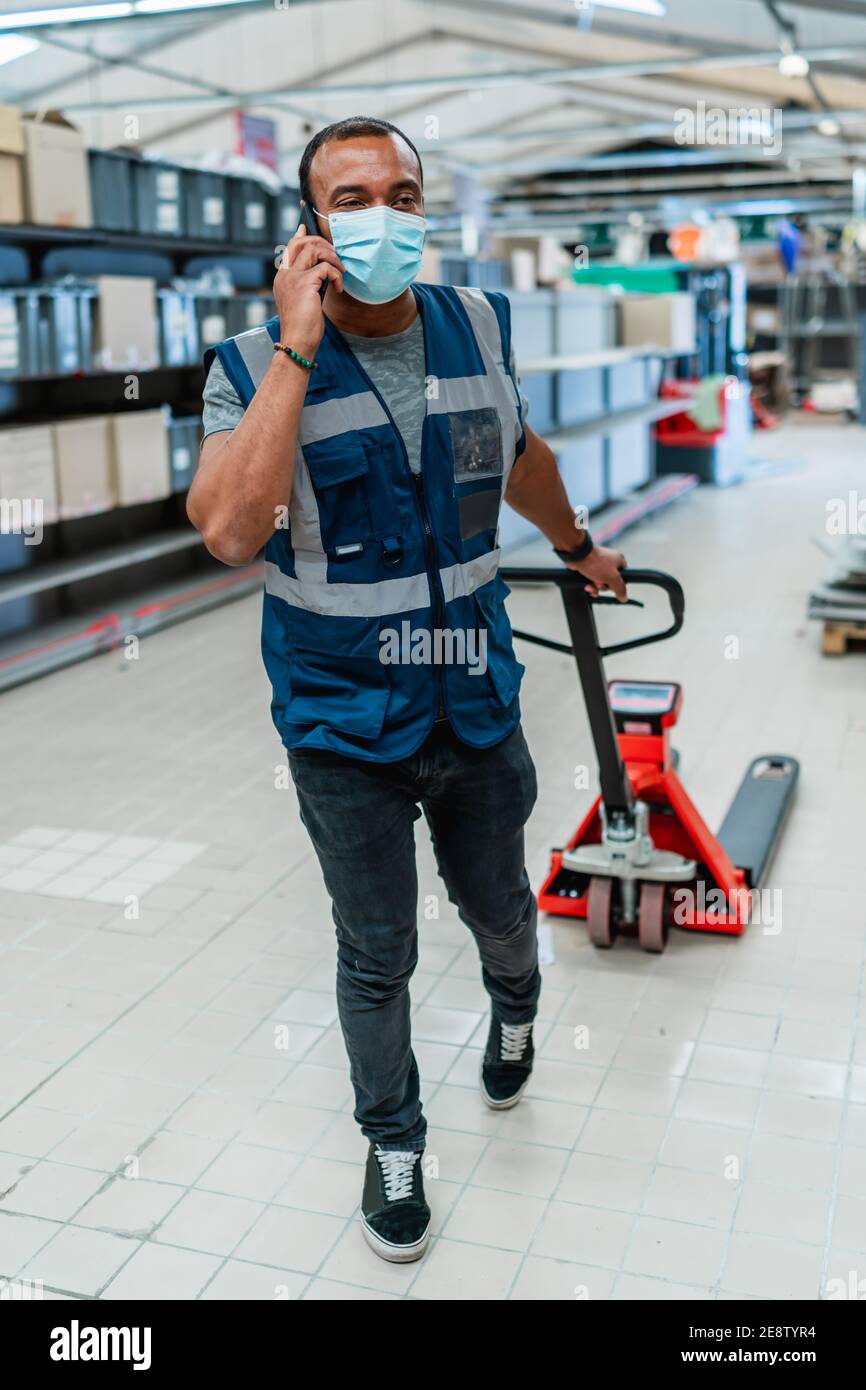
397	1168
514	1037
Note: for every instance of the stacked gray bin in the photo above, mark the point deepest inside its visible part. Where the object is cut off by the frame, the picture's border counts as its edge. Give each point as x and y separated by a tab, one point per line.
111	190
212	315
251	212
206	204
158	198
65	330
19	332
184	442
225	315
246	311
47	330
20	613
585	321
629	454
178	328
582	466
288	215
608	459
532	337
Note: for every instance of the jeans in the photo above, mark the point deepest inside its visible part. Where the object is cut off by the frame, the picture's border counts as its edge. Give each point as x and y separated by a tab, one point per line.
360	817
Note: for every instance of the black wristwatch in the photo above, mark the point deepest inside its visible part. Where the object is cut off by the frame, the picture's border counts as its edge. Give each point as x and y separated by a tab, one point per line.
579	552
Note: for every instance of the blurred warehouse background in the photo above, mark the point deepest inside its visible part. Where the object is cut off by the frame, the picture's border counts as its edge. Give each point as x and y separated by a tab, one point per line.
673	195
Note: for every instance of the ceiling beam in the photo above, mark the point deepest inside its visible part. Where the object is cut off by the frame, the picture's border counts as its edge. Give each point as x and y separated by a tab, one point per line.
638	130
588	73
314	79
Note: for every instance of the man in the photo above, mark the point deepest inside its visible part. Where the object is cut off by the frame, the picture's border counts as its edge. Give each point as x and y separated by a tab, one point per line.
365	438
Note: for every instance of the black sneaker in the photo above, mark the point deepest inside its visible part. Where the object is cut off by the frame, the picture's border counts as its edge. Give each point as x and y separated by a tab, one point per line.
507	1063
394	1213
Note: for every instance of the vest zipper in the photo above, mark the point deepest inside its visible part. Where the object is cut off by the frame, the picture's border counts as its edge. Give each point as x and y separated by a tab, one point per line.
429	544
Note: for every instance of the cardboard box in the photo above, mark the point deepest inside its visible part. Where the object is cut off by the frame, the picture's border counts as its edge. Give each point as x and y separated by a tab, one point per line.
82	449
658	320
140	470
125	322
11	165
27	470
56	174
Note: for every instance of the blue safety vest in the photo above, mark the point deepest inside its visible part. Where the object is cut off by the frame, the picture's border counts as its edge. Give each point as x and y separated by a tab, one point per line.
381	588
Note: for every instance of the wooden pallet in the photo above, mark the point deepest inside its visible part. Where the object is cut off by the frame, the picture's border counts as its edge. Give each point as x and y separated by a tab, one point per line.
838	635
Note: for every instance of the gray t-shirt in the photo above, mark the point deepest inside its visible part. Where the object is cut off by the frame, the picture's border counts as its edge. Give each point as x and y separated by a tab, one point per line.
395	365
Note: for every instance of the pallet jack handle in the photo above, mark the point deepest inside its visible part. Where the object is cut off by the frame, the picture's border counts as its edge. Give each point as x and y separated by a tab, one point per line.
616	789
571	583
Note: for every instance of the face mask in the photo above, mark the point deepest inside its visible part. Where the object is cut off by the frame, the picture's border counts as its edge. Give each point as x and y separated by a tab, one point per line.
381	250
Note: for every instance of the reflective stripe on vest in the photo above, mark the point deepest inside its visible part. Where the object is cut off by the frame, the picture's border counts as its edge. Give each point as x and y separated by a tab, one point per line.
485	326
311	590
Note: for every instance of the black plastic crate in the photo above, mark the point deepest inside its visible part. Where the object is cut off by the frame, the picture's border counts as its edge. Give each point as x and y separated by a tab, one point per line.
207	204
252	215
111	190
158	196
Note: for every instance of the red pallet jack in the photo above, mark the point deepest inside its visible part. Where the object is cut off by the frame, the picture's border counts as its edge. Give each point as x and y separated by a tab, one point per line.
643	860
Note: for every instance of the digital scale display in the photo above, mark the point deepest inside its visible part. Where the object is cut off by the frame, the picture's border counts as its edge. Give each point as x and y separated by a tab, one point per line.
642	698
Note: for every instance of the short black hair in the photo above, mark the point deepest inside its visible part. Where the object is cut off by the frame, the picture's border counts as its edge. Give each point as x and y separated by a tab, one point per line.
347	130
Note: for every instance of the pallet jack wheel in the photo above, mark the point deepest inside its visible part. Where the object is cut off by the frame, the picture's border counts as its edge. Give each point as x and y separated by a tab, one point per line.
651	927
599	912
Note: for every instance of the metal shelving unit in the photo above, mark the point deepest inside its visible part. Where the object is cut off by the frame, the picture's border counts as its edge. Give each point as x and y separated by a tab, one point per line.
633	415
30	235
57	573
82	627
103	629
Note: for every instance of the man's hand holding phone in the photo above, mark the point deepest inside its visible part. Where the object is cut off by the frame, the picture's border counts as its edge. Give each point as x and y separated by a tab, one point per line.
309	263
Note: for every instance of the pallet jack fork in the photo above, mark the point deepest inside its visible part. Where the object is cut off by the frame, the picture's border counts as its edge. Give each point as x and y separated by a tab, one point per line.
642	859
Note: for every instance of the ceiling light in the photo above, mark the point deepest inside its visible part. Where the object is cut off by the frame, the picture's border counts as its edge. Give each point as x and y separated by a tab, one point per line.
653	7
65	14
792	63
14	46
827	126
113	9
161	6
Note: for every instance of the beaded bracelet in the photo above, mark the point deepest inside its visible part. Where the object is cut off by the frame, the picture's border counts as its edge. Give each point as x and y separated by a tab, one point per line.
295	356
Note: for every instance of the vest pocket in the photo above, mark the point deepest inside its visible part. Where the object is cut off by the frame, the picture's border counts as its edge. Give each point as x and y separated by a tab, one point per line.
339	470
476	444
503	668
336	677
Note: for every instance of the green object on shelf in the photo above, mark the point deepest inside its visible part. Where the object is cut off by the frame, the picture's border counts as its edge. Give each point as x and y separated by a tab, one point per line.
757	228
639	279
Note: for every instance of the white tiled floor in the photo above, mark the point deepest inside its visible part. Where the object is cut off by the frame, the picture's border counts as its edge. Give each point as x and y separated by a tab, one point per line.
175	1113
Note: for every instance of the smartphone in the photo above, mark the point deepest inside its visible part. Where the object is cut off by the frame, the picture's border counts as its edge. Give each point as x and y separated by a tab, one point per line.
308	217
